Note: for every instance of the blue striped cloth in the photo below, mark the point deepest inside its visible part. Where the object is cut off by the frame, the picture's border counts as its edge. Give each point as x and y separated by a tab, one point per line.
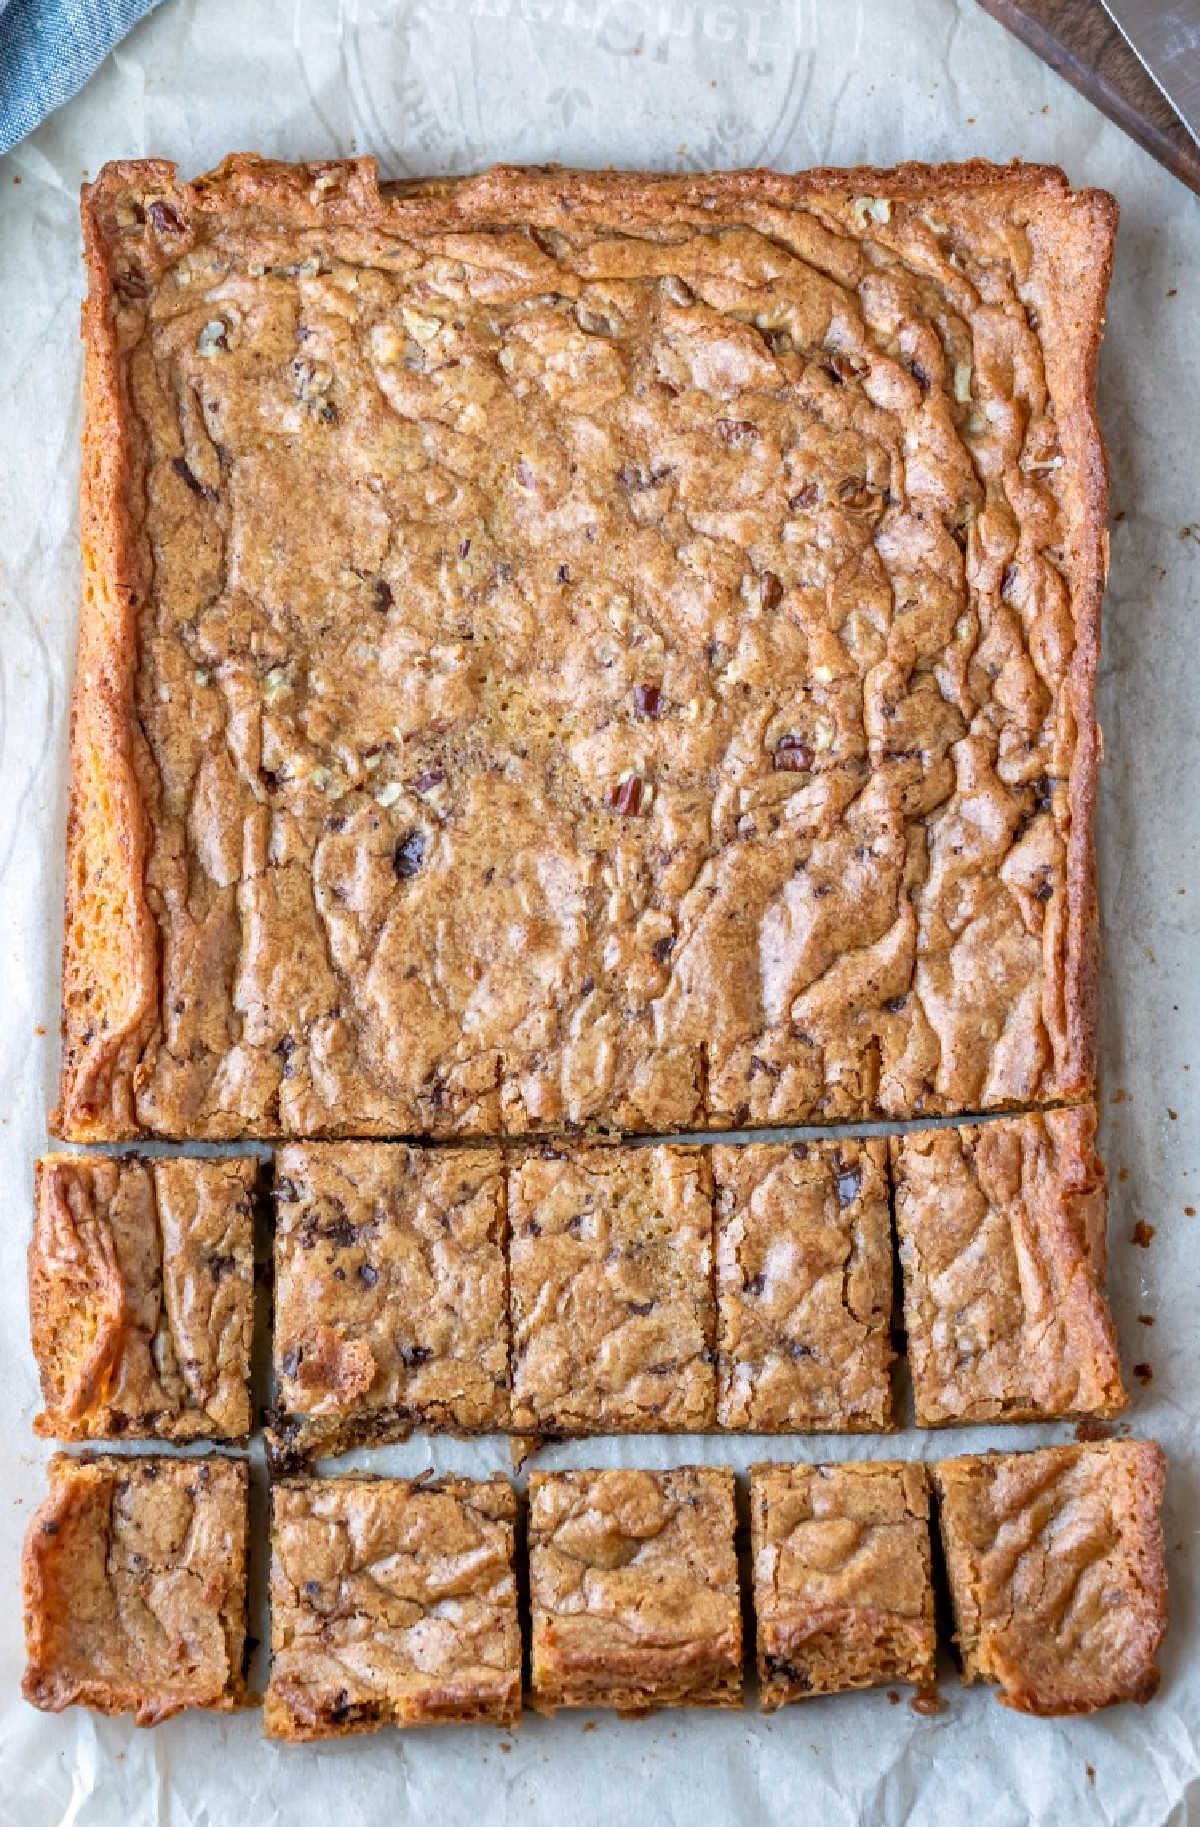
48	49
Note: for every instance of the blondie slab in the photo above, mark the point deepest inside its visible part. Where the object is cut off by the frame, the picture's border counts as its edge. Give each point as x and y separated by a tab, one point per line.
610	1280
562	648
141	1294
1056	1570
390	1293
843	1589
134	1583
634	1590
804	1287
392	1603
1003	1252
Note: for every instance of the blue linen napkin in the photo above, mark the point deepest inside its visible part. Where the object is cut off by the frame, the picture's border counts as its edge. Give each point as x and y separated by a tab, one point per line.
48	49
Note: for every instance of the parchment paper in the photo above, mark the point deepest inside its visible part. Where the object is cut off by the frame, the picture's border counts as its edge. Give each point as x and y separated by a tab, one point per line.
448	85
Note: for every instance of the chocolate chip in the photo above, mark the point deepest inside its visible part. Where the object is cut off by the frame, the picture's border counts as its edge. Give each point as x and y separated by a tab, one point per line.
180	466
412	1355
1044	891
793	755
662	948
779	1667
285	1048
408	855
341	1233
844	368
755	1284
770	590
737	432
220	1266
800	1151
854	493
920	376
848	1180
289	1363
647	700
894	1004
382	592
285	1191
312	1588
564	574
641	1307
163	218
367	1274
433	777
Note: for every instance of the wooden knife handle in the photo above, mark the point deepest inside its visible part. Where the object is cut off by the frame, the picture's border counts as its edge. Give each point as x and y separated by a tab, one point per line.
1079	40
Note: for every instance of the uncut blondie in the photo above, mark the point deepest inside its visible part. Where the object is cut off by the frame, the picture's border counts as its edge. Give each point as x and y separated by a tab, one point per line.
562	648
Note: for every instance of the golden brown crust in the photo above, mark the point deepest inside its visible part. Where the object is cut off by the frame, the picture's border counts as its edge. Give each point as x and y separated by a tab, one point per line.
134	1585
804	1287
844	1054
393	1602
843	1589
141	1289
1002	1248
1057	1572
634	1589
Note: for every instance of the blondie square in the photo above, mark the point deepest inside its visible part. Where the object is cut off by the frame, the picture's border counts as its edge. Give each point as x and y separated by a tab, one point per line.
634	1590
804	1287
843	1591
610	1278
390	1293
141	1295
1056	1570
1003	1253
134	1585
563	648
393	1602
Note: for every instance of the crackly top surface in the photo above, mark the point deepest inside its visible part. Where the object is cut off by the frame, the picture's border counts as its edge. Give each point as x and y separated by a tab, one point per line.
561	647
633	1584
391	1601
839	1538
804	1286
390	1286
141	1288
1003	1252
134	1578
1056	1570
610	1277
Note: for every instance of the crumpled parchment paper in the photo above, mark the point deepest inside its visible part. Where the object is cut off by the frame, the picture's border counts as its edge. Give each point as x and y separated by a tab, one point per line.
449	85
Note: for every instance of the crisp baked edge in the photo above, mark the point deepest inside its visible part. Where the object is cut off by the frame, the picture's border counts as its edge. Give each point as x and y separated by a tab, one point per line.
119	988
1071	1132
91	1418
1147	1469
110	941
64	1494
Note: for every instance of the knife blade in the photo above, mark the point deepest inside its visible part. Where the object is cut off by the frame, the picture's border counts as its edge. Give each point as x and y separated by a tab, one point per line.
1083	44
1165	34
